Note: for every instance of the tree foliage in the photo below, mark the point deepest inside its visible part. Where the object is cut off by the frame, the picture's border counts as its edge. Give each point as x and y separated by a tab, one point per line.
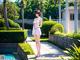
47	7
12	10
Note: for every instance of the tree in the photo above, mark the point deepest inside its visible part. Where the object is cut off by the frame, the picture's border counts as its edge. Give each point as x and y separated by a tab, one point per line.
54	7
12	10
22	4
42	5
47	7
59	10
5	13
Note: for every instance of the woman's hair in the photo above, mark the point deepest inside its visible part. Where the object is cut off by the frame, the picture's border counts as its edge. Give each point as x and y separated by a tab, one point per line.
38	12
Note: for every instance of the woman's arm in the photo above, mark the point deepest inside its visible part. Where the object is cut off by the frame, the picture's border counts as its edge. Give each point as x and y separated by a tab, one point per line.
41	23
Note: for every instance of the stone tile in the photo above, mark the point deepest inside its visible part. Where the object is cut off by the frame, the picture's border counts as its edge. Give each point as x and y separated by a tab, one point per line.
48	51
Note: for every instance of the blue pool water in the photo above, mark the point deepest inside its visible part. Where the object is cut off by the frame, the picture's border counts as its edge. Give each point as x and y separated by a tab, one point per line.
9	57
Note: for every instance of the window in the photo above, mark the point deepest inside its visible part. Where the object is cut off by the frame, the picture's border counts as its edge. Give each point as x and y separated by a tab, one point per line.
71	16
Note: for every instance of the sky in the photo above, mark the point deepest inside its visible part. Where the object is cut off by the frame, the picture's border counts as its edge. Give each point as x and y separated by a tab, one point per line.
13	0
10	0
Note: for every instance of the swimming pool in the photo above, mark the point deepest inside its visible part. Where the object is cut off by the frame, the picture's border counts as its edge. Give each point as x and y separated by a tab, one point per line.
9	57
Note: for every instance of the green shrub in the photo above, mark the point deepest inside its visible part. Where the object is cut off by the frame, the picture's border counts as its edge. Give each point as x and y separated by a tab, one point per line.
2	23
59	34
12	36
0	16
74	52
13	24
70	35
76	36
26	48
14	28
45	19
47	26
3	28
57	27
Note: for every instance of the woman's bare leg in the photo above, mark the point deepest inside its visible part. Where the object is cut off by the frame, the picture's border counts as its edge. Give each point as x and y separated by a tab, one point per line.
38	46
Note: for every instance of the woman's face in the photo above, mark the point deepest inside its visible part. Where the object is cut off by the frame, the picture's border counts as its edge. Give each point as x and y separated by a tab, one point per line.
37	15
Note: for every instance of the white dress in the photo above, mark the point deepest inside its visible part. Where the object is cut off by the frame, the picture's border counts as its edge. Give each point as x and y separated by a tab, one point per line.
36	29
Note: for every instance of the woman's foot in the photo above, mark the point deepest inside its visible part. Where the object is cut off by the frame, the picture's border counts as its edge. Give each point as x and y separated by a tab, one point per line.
37	55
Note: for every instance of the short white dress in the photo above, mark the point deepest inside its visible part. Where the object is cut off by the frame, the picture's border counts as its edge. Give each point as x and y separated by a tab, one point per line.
36	29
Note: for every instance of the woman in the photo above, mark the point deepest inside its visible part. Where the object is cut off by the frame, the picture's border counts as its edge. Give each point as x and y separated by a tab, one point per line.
37	31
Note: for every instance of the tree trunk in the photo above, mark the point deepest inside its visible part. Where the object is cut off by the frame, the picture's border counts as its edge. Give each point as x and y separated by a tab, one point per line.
22	11
5	14
59	11
75	16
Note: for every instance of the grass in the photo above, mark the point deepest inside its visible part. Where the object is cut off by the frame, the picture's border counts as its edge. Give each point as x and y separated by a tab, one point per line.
42	39
26	48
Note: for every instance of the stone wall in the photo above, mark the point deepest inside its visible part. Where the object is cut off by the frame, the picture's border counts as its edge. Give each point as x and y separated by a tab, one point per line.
63	42
13	48
9	48
21	53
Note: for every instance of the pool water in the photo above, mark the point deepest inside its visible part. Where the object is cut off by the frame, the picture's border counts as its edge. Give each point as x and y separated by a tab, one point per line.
9	57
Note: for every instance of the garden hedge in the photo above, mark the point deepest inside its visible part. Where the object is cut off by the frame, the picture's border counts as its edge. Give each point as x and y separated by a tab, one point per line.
47	26
12	24
26	48
65	40
12	36
51	26
57	27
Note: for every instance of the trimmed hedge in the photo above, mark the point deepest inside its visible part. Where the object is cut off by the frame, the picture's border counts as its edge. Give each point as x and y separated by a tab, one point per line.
69	35
0	16
63	41
74	36
12	36
12	24
57	27
26	48
2	23
47	26
66	39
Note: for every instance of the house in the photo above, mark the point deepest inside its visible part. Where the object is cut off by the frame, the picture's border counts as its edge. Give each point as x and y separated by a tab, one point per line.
71	18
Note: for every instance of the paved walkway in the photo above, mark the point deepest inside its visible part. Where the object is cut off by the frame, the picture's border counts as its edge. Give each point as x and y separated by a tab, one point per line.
48	51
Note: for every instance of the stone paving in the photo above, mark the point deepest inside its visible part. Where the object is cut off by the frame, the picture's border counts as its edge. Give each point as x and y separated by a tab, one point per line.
48	51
